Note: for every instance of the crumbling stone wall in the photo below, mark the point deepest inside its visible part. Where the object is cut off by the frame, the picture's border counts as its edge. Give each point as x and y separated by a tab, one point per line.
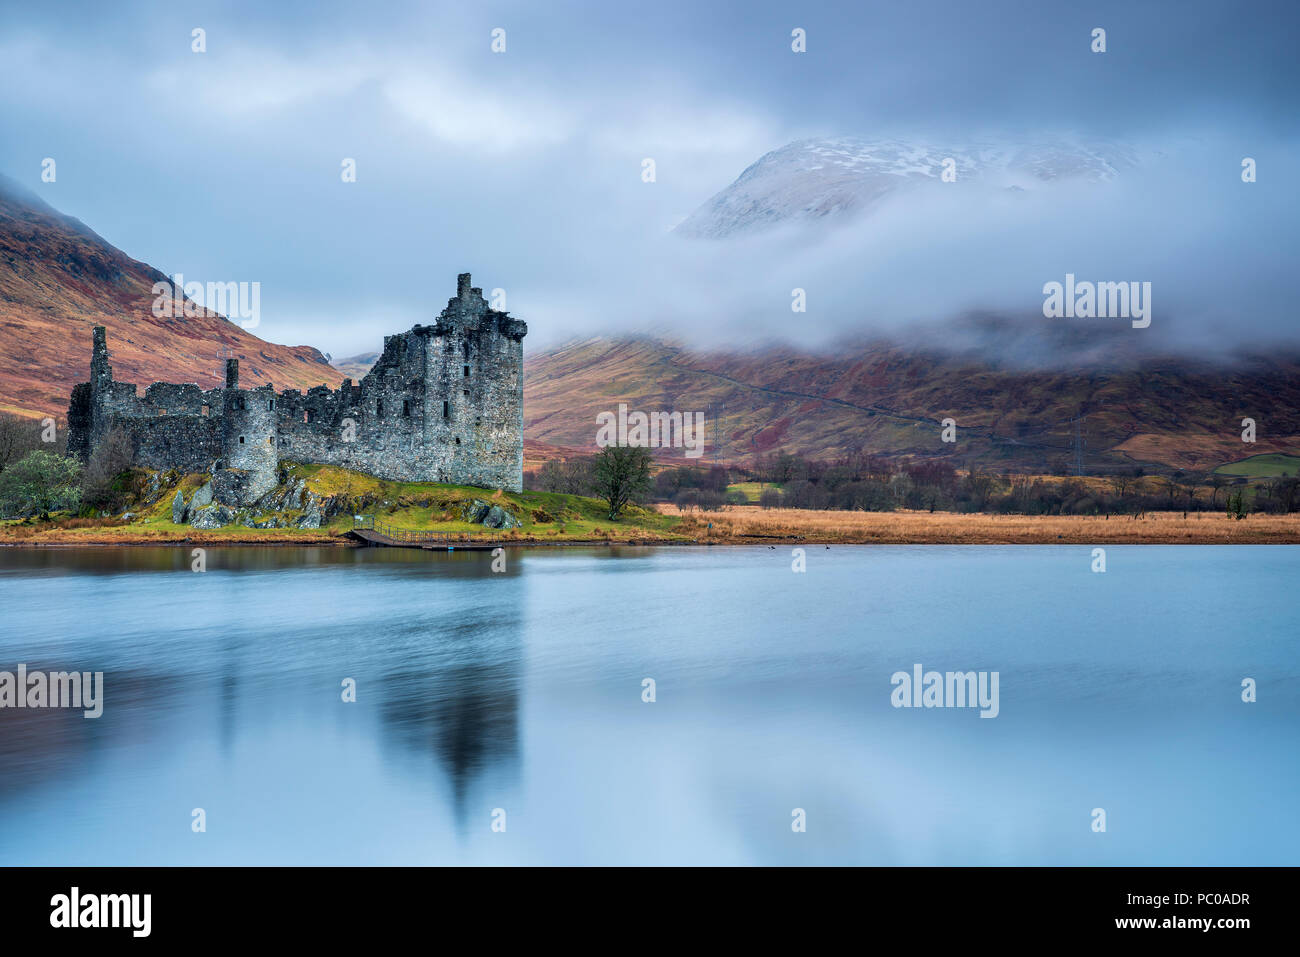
443	403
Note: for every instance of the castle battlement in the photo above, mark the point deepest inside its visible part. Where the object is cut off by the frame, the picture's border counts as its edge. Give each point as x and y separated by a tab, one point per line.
442	403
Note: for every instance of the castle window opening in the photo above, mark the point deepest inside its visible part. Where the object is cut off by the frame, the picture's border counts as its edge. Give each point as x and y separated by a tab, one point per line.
467	350
446	409
379	407
406	407
270	405
466	368
205	410
241	440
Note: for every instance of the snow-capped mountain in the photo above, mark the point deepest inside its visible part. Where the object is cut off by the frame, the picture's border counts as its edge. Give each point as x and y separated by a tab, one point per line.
819	178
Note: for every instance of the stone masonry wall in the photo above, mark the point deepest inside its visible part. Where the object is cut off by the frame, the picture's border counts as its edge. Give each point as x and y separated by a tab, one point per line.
443	403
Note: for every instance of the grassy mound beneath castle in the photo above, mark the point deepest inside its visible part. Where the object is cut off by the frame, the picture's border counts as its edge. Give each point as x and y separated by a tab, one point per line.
416	506
342	494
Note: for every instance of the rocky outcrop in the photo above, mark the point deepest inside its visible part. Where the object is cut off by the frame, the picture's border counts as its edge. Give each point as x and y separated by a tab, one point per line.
213	516
202	497
240	487
498	517
154	489
291	495
293	504
491	516
311	517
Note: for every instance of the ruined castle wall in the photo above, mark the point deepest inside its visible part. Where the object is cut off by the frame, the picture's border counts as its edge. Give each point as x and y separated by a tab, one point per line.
443	403
188	443
375	426
80	416
168	427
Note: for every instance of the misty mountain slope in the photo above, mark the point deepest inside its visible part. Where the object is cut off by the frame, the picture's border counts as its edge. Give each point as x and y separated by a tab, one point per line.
836	178
355	367
58	279
889	398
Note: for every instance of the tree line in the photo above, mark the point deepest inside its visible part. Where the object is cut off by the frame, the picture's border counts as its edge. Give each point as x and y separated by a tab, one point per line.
37	478
867	482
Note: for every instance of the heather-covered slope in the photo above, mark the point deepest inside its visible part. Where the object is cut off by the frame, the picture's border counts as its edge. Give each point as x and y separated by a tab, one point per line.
58	280
1012	412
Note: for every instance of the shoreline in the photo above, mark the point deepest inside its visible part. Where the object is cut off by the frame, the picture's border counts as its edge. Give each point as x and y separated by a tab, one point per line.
777	528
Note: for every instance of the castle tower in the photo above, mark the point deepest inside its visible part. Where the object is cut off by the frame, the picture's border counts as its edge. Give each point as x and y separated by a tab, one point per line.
101	373
87	421
475	392
249	436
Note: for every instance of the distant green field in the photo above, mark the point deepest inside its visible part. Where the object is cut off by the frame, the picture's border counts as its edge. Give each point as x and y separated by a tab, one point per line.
1269	465
751	490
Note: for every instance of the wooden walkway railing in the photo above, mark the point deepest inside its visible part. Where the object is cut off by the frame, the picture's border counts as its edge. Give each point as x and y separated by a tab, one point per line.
417	536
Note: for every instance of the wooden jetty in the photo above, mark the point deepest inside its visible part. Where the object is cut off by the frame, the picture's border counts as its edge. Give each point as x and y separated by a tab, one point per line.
367	530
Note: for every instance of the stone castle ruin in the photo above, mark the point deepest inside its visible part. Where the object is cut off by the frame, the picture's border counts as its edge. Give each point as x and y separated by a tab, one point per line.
443	403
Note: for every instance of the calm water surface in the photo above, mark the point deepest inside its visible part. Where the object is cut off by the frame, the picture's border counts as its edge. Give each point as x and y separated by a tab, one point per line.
522	691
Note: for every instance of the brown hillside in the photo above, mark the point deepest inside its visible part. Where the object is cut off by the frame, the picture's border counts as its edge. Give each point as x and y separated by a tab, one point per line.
887	398
58	280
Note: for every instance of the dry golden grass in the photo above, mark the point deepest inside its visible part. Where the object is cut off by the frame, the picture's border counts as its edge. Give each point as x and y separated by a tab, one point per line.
751	523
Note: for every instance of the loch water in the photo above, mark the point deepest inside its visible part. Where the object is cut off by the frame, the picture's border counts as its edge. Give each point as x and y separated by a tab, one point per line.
517	697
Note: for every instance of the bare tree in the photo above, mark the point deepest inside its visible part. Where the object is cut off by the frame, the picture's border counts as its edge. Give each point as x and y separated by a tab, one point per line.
102	486
1217	482
18	436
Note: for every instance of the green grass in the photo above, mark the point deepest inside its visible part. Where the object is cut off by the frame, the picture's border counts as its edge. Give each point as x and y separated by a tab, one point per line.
412	506
752	490
1268	465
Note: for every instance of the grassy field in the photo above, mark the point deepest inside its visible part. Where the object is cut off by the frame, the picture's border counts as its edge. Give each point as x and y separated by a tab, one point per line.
751	490
750	523
1269	465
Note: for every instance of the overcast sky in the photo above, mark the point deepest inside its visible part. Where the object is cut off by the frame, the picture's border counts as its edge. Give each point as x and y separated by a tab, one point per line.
525	167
